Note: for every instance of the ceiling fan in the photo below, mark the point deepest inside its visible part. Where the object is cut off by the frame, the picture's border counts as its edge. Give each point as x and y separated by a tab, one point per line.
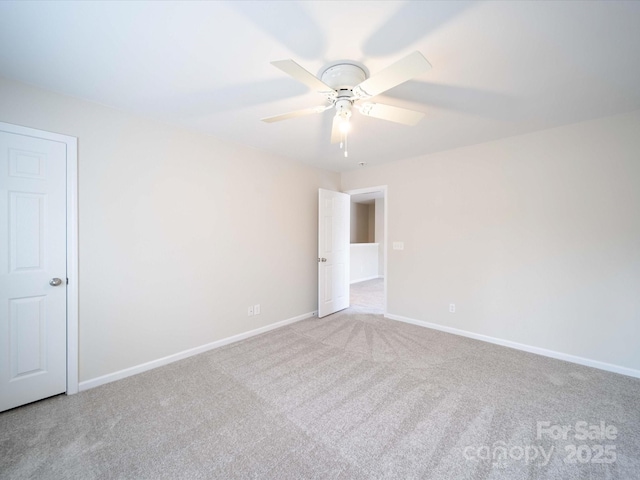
347	84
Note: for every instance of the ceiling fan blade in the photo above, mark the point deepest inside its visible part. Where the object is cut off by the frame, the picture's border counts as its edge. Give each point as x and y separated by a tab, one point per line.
297	113
395	74
336	134
302	75
391	113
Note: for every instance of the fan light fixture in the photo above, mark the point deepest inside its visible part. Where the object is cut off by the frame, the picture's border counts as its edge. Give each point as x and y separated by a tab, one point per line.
345	125
342	120
344	84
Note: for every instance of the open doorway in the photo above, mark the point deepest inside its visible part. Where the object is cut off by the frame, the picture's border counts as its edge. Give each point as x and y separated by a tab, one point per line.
368	227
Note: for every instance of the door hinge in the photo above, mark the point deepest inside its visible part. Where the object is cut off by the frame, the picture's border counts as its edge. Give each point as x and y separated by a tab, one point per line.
67	280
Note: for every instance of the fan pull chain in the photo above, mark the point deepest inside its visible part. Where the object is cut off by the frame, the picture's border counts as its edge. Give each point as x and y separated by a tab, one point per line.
346	153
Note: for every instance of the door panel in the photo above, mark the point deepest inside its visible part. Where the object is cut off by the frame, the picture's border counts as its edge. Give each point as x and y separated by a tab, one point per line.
32	252
333	252
26	231
27	336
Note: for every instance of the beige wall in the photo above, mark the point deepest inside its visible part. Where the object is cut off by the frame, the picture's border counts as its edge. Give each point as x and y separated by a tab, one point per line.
179	232
359	223
371	222
379	232
535	238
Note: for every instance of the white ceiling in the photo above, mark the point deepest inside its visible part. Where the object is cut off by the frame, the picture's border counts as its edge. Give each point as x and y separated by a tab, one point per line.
499	68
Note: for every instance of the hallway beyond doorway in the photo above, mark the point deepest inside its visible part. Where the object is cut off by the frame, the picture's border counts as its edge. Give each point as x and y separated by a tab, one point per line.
368	296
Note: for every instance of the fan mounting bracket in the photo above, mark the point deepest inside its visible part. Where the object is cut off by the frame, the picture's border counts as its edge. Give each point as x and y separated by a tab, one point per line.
344	75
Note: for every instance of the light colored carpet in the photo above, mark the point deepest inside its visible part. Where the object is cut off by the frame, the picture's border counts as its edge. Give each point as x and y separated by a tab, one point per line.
351	396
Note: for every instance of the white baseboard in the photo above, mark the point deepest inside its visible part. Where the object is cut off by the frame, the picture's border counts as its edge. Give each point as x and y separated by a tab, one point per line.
521	346
358	280
127	372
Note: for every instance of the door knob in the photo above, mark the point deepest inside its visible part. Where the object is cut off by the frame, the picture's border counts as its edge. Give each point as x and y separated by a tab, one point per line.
54	282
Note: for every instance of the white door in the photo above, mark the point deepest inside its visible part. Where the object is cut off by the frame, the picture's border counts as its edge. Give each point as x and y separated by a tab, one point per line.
33	273
333	252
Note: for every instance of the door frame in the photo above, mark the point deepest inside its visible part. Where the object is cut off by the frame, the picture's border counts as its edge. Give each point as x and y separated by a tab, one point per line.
385	190
72	242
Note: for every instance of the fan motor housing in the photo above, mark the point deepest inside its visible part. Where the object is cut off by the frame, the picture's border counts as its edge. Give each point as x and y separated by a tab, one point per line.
343	76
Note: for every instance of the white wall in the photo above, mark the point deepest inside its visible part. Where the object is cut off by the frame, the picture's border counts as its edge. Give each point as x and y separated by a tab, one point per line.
536	238
179	232
363	258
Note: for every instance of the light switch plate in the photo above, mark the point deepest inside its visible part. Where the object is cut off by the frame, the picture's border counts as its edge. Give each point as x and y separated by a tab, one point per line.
398	245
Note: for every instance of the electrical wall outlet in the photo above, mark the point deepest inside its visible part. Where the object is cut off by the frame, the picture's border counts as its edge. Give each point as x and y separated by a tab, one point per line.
452	308
256	309
250	312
